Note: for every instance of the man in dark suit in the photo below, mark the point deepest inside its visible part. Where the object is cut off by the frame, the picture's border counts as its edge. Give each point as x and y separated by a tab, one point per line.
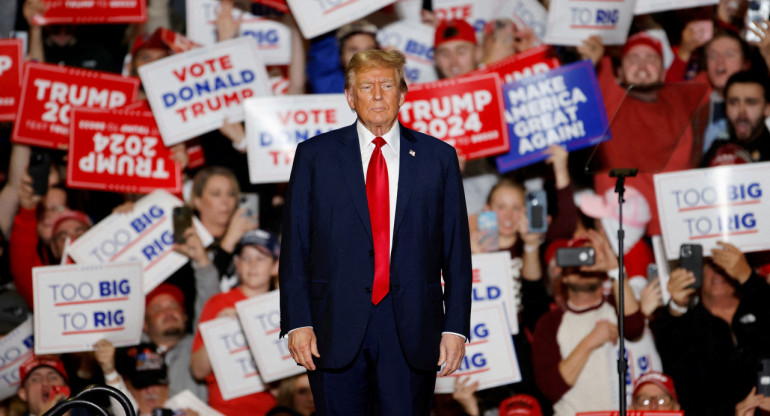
375	215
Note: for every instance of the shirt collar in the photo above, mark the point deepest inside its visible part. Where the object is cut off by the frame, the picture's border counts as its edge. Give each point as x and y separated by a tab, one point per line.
392	137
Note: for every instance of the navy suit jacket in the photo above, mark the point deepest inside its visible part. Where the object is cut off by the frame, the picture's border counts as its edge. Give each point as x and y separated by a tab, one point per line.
327	254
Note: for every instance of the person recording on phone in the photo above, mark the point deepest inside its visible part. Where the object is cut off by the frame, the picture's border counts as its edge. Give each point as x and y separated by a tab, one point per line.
572	352
713	348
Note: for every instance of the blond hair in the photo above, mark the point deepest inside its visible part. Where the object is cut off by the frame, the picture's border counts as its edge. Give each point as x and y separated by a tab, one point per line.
376	58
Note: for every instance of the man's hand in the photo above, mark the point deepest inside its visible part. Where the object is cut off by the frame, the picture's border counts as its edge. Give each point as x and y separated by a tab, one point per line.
678	287
302	345
732	261
651	298
604	331
104	352
451	352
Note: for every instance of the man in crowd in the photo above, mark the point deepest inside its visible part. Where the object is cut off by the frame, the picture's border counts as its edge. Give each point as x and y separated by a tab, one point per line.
572	350
714	348
747	99
455	50
42	383
654	391
327	75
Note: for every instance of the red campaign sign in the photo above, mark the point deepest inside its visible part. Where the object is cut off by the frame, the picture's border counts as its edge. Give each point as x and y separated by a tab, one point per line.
93	11
530	62
279	5
11	66
176	42
119	150
465	112
49	92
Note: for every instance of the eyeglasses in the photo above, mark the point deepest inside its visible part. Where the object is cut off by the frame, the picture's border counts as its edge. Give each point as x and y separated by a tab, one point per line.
652	402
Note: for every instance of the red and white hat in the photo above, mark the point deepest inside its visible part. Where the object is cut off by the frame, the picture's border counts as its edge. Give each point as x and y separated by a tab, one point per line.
35	361
659	379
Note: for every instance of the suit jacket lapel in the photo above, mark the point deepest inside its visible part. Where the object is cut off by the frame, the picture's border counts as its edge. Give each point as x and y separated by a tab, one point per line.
407	172
352	171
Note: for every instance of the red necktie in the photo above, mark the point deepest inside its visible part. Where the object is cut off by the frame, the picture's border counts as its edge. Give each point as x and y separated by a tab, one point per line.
378	197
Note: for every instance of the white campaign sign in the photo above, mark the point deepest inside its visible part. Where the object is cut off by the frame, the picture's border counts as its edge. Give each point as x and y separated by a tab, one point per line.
261	322
77	305
415	40
316	17
653	6
572	21
275	125
145	234
475	12
490	357
230	358
185	399
273	38
493	282
194	92
529	12
408	10
15	347
724	203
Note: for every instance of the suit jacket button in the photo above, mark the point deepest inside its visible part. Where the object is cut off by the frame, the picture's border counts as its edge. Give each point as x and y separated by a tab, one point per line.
368	290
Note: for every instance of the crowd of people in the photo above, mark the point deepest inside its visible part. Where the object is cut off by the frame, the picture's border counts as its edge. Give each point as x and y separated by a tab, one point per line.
704	106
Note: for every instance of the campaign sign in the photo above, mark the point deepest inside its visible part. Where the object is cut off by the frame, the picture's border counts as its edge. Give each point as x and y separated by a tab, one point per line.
490	357
563	106
121	151
11	66
493	281
654	6
723	203
194	92
529	12
415	40
466	112
15	347
316	17
230	358
261	322
77	305
475	12
634	413
93	11
570	22
538	60
275	125
145	234
185	399
49	92
273	38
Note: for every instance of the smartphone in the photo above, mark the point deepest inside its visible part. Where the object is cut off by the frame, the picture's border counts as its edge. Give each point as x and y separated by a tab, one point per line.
161	411
427	5
763	378
39	169
65	390
652	272
575	256
756	12
182	218
490	239
537	211
250	201
691	258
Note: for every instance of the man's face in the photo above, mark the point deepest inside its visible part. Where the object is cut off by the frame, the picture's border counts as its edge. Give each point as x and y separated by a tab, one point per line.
354	44
37	388
150	397
724	58
652	397
255	268
54	203
746	110
164	318
716	284
579	283
642	66
376	97
68	228
455	58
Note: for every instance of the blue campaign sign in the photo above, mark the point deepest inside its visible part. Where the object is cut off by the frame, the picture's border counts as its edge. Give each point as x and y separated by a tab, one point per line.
562	106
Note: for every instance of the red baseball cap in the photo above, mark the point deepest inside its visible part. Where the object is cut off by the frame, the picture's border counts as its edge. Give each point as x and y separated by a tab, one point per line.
659	379
71	215
730	154
520	405
165	289
642	38
449	30
35	361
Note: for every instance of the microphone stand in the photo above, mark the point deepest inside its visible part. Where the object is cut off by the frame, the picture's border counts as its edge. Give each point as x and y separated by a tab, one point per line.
621	175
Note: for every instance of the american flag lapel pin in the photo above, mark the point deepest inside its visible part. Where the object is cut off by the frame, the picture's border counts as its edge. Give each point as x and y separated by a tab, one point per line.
411	152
